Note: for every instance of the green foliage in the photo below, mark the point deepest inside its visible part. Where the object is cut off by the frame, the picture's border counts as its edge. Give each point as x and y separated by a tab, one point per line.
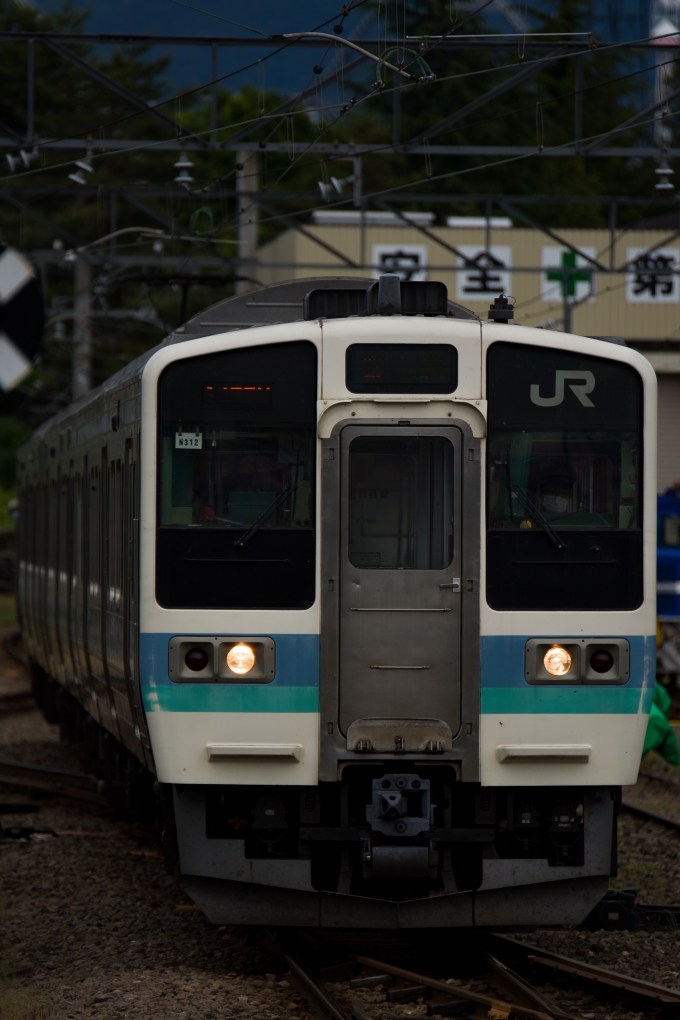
539	111
12	434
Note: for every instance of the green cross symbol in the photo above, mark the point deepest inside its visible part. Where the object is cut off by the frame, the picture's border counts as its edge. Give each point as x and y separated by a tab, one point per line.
569	275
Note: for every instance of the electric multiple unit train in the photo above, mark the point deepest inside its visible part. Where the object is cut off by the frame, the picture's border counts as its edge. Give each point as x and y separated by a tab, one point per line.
368	585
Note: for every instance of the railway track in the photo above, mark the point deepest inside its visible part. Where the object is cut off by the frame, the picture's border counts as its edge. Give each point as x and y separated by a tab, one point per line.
631	807
501	985
13	645
19	697
74	785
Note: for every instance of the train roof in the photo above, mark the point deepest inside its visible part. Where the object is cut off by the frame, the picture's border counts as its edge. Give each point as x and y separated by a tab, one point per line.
280	302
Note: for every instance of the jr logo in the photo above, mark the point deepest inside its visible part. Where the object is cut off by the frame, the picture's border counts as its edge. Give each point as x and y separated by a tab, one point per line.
586	384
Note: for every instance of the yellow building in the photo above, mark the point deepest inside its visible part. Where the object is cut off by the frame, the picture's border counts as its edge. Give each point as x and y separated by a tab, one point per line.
625	285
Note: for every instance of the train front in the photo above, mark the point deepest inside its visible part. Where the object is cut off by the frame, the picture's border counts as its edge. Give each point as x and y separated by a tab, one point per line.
397	614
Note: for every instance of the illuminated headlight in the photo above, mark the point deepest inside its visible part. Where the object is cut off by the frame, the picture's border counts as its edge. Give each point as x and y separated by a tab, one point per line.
240	659
557	661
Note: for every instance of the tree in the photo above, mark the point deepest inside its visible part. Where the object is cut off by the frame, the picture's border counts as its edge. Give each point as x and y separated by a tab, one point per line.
70	103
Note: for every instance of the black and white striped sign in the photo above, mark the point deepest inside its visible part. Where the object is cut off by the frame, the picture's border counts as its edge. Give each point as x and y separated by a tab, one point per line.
22	317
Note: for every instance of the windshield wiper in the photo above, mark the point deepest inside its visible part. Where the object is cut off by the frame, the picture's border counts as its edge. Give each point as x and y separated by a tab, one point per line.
240	542
528	506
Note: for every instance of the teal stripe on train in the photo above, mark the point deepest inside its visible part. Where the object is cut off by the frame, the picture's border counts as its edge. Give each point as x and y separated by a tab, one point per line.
236	698
563	700
504	688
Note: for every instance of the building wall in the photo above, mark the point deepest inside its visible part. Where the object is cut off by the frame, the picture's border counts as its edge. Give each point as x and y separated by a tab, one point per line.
614	309
668	450
649	319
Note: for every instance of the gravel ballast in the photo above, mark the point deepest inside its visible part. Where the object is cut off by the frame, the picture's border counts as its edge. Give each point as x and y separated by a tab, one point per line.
90	925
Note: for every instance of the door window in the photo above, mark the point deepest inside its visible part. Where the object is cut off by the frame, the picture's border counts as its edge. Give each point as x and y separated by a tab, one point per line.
400	506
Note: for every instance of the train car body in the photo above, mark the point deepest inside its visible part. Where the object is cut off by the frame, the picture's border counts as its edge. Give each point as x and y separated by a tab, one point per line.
371	592
668	558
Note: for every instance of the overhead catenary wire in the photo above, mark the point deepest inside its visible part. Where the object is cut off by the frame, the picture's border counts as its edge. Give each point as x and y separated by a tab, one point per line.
351	8
428	167
211	14
507	160
439	176
279	218
193	91
391	146
454	173
256	121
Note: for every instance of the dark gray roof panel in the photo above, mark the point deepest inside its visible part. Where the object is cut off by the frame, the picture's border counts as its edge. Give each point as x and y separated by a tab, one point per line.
281	302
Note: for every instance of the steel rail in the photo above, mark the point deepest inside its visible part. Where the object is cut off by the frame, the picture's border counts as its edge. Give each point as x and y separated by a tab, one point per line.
17	701
673	781
602	979
519	1000
504	953
606	980
326	1005
502	1008
75	785
652	816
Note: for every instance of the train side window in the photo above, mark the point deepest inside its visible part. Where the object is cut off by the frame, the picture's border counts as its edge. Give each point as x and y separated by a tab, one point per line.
236	485
564	506
93	532
671	530
114	578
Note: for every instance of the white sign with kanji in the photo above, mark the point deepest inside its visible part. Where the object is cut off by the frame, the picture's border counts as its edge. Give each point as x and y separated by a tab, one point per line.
484	274
408	261
567	275
652	276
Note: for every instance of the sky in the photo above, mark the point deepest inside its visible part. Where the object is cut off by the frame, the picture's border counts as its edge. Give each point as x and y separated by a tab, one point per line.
190	66
290	71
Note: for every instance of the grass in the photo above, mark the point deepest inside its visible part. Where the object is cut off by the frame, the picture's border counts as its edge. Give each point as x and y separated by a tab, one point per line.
17	1002
8	608
22	1004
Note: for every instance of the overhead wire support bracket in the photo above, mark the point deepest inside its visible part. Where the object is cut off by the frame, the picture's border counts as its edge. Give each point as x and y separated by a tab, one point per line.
427	72
348	42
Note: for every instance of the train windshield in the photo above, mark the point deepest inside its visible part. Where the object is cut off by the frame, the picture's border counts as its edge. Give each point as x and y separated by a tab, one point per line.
564	480
236	484
217	476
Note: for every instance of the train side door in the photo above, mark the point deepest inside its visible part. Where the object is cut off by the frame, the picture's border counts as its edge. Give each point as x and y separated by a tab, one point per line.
400	593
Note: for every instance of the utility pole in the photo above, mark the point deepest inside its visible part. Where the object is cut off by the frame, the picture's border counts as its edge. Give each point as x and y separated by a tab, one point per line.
247	183
396	110
578	102
213	94
82	336
30	91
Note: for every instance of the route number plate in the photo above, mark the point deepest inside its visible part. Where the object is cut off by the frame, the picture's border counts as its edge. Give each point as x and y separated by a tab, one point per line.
188	441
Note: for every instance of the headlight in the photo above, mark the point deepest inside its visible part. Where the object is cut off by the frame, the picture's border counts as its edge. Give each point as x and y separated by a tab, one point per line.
240	659
557	661
196	659
601	661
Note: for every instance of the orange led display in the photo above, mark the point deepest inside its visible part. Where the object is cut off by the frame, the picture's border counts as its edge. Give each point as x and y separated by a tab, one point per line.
236	393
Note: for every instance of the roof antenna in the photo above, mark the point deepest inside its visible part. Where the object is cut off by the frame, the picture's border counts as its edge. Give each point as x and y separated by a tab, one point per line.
501	310
389	294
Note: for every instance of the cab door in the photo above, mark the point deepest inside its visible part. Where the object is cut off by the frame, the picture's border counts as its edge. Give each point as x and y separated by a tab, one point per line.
400	590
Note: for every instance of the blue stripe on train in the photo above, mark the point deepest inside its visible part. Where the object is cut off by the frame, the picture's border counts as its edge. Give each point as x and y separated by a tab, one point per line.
293	689
504	687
